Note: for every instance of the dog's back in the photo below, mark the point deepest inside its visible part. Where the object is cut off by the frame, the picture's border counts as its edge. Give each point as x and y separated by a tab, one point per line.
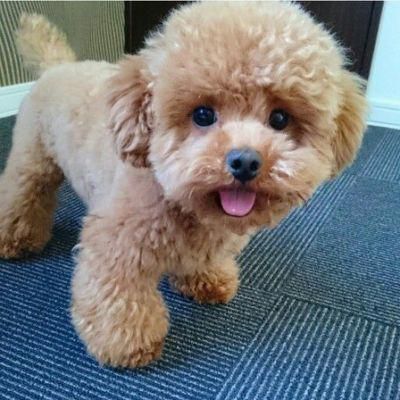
69	101
61	130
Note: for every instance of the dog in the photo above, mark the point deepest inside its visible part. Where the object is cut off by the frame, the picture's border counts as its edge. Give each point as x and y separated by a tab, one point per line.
230	116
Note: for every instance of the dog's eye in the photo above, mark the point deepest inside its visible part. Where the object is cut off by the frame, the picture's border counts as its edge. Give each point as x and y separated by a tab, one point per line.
279	119
204	116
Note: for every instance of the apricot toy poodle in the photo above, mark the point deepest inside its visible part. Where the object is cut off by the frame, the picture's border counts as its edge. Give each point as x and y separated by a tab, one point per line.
231	115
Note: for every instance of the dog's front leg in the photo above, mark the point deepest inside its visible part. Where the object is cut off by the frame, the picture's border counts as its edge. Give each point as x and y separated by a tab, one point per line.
117	309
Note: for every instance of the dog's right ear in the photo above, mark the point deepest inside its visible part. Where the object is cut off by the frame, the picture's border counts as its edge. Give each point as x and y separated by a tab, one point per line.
131	115
350	122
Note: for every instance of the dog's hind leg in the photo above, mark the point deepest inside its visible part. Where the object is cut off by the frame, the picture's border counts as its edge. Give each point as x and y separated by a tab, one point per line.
28	189
213	284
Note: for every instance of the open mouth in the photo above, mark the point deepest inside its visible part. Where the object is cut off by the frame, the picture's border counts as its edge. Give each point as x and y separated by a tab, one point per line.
237	201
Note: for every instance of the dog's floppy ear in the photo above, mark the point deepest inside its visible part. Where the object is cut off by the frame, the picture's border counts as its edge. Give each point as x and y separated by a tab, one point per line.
131	116
350	122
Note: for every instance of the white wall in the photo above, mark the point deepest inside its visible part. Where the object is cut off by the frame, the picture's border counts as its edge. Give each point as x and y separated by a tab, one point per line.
383	89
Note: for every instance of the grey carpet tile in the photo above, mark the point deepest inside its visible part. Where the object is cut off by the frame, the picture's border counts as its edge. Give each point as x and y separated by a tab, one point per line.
271	255
39	342
354	261
371	142
316	316
384	162
305	351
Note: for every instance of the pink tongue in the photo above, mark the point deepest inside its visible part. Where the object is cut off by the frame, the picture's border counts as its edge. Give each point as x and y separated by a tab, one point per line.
237	202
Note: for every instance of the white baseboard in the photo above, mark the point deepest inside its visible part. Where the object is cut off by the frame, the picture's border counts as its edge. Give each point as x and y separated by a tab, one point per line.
384	113
11	98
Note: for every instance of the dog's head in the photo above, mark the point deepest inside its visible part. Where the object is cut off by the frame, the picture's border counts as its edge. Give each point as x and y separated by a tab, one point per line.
241	110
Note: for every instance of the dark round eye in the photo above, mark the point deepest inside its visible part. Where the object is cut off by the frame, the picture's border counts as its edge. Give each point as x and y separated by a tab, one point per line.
279	119
204	116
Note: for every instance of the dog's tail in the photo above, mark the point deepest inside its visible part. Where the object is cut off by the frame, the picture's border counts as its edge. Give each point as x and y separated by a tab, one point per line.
41	44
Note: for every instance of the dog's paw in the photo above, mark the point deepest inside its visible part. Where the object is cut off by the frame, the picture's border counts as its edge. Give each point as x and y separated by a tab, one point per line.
143	357
19	239
213	287
123	348
121	333
10	249
134	358
23	232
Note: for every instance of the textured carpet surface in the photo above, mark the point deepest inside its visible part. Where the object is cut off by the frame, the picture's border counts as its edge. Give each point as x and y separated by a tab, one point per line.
317	315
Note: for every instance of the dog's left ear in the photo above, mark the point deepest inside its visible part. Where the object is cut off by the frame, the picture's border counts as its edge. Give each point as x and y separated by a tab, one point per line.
131	115
350	122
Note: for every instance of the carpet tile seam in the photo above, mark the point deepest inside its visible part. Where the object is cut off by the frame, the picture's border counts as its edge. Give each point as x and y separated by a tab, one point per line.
344	311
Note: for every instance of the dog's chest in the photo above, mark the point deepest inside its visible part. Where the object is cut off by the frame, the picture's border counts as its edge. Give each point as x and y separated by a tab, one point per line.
186	243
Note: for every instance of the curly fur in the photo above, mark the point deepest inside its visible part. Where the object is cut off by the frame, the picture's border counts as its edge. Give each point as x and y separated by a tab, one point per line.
42	44
122	135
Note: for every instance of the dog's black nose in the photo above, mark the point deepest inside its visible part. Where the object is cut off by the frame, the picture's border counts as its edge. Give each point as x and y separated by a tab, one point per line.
243	164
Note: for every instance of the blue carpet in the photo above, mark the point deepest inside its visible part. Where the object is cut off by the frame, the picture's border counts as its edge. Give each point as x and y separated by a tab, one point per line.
317	315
